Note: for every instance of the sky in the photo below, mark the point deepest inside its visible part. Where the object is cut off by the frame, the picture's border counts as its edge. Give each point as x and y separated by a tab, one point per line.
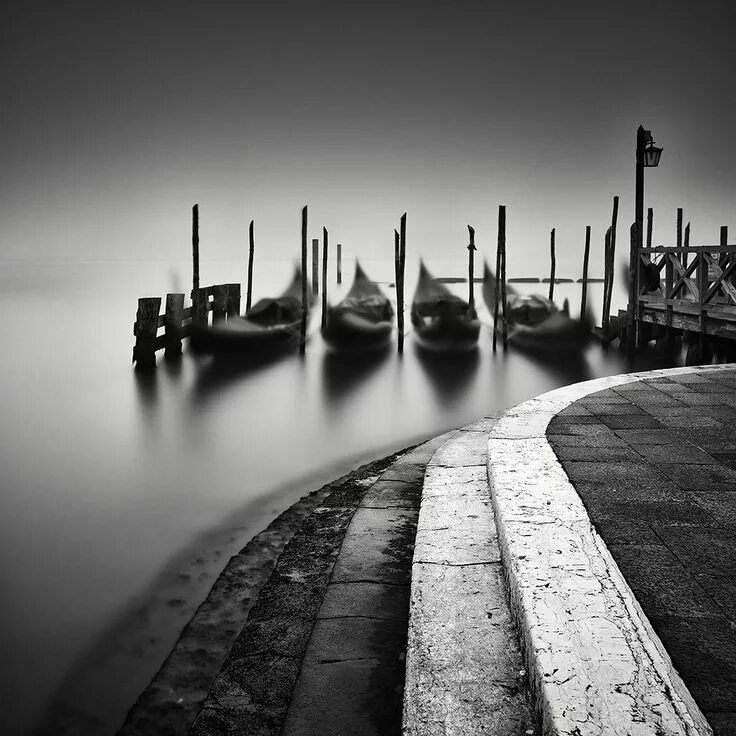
118	116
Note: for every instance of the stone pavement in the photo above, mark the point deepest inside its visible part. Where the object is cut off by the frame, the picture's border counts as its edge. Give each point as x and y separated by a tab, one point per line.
323	648
654	462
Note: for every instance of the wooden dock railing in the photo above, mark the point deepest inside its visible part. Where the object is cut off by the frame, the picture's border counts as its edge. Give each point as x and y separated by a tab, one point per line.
222	301
697	290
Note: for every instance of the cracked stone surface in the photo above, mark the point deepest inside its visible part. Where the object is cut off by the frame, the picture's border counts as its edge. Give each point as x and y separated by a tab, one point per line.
595	662
464	671
667	517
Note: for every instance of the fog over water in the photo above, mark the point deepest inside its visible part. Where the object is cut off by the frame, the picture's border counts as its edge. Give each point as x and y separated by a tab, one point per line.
123	496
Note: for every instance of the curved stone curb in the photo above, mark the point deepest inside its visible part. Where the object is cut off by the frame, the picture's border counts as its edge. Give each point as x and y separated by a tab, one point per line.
596	666
464	672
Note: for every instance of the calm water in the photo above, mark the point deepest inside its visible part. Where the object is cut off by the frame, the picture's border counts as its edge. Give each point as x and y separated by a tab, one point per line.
122	498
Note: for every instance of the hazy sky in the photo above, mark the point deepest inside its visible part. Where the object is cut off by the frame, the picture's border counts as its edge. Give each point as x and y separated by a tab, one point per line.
118	116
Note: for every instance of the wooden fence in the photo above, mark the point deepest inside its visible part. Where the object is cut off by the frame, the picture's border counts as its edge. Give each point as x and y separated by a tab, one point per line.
222	301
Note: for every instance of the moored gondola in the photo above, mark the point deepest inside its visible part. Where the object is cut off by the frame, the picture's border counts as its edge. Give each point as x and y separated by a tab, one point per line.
535	323
271	326
363	320
442	320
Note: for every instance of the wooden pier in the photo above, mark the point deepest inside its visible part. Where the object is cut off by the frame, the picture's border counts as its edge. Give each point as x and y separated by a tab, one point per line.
696	294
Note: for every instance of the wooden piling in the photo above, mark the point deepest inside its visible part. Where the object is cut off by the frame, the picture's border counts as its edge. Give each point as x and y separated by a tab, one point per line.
586	258
173	319
145	329
400	284
632	311
195	247
723	258
200	307
553	263
397	283
686	239
219	303
303	336
650	222
679	227
611	251
471	253
315	266
607	283
339	263
324	277
502	228
614	224
232	302
251	249
497	290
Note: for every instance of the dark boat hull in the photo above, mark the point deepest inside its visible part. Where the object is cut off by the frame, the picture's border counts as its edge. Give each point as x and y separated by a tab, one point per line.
271	327
442	321
347	331
535	324
239	336
446	334
363	320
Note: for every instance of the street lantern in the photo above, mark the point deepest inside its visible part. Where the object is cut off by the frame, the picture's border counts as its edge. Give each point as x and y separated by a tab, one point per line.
651	154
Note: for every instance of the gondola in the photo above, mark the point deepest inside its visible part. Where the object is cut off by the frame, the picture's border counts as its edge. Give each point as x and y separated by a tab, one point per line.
535	323
363	320
272	326
442	321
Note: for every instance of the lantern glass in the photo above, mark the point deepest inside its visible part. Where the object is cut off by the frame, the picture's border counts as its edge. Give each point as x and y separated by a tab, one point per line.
651	155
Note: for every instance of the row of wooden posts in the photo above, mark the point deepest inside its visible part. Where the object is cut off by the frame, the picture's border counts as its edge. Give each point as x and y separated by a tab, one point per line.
224	300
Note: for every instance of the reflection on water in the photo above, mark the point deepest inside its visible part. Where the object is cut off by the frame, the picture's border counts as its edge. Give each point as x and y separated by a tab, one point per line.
451	375
123	494
344	372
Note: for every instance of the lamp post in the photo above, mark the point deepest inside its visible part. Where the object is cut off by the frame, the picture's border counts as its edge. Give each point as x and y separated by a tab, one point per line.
647	154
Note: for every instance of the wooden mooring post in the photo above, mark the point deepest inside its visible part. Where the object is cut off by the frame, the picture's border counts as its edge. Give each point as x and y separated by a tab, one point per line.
400	282
195	247
499	297
586	258
303	334
339	263
552	265
607	283
324	277
251	249
471	254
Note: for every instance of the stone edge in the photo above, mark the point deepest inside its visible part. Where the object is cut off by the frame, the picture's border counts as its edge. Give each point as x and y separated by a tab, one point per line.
534	509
